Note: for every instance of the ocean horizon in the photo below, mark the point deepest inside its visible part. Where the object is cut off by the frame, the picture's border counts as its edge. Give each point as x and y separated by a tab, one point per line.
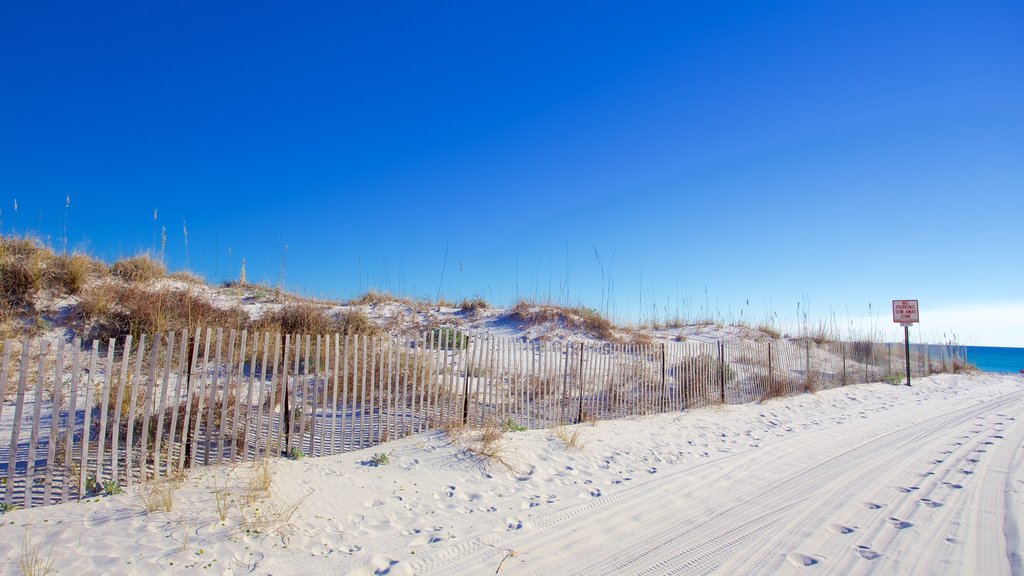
996	358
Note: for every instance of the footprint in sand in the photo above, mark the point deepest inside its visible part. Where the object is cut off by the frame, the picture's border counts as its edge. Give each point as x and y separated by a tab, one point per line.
871	505
899	524
967	472
514	524
904	489
954	540
931	503
376	502
652	470
840	529
952	485
592	493
802	560
867	553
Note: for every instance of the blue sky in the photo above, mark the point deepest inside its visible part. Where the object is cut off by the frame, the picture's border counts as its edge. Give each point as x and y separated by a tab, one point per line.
740	156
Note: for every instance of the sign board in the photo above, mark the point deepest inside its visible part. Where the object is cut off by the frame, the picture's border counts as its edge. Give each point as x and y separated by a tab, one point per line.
905	311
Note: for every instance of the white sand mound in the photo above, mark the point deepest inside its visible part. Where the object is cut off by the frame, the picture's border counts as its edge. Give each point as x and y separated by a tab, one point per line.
866	479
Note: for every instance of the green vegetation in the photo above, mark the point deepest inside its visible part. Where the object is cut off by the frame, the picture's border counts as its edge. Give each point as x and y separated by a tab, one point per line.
447	339
510	425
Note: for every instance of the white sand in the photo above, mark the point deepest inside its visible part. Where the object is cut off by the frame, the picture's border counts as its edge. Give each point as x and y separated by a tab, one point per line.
867	479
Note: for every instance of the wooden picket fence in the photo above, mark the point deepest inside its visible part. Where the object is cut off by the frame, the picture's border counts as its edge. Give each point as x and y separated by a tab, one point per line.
85	415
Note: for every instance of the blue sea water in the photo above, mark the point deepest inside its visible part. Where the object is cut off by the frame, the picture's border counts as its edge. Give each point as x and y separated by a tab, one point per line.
995	359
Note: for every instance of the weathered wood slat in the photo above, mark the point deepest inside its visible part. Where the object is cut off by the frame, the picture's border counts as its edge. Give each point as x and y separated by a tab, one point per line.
19	407
55	411
108	376
69	438
115	437
87	422
37	414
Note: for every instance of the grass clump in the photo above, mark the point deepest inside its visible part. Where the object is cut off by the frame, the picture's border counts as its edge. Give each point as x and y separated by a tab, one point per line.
576	318
770	331
570	436
70	273
311	318
894	379
510	425
23	267
139	268
373	298
296	453
221	500
268	517
112	310
111	487
379	459
158	495
490	444
472	306
32	562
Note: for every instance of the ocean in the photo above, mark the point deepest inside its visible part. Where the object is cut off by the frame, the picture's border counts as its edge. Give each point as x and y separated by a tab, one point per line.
995	359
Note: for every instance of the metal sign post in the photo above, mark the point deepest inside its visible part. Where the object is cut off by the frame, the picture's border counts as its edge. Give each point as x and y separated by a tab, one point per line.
905	313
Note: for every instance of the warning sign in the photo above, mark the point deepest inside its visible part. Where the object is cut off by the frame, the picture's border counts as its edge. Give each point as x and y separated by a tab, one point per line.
905	312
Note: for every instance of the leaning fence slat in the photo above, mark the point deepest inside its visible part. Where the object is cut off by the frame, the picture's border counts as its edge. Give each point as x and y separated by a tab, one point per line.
147	407
83	488
8	346
260	399
323	398
19	406
250	390
181	385
314	396
229	373
200	394
400	387
303	389
157	442
211	406
69	438
336	382
235	392
292	395
273	421
360	372
55	406
37	413
347	402
115	435
108	375
374	410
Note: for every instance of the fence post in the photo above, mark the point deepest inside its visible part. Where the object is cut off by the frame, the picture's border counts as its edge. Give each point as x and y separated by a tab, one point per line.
664	392
721	367
807	365
579	414
465	400
565	382
771	380
844	363
186	440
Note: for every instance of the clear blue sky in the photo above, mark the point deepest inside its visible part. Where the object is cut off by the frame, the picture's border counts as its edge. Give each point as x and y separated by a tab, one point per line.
837	154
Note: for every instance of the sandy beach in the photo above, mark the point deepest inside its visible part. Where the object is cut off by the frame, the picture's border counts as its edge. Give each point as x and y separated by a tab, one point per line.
864	479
